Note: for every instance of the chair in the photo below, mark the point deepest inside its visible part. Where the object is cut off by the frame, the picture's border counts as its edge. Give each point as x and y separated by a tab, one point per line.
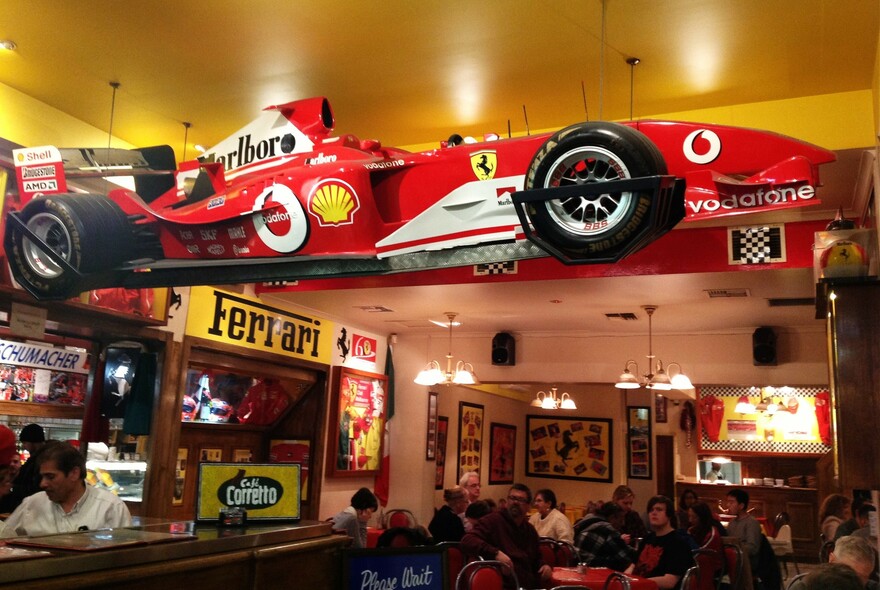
484	575
711	565
735	565
566	554
781	544
622	581
455	559
399	517
825	551
402	536
547	549
795	582
691	579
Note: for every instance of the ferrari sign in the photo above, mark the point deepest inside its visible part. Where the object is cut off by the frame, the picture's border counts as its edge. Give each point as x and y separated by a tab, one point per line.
484	164
244	321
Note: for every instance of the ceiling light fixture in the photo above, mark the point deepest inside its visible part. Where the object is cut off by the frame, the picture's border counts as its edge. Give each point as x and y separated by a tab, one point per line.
660	381
463	374
8	45
550	401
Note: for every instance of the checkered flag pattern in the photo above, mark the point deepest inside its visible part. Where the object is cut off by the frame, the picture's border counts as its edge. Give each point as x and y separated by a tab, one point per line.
495	268
759	446
757	245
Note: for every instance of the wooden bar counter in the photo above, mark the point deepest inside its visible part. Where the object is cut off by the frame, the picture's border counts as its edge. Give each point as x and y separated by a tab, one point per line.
801	504
303	555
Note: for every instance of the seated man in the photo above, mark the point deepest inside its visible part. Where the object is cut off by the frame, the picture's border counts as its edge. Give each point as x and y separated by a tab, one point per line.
508	537
858	554
66	503
664	556
744	526
599	543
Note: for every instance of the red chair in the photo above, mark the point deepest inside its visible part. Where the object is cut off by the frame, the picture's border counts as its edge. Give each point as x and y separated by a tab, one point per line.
711	566
691	579
455	560
566	554
616	580
485	575
399	517
734	565
547	548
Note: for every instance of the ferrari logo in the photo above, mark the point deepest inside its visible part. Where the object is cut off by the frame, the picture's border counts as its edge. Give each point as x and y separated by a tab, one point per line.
484	163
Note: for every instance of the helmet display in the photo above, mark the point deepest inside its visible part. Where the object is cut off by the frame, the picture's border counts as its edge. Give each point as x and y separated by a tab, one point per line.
221	411
188	411
843	258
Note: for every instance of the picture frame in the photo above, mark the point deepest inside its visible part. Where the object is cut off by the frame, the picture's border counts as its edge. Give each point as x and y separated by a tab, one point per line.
431	442
179	476
358	401
661	406
470	437
577	448
440	462
502	453
294	450
638	442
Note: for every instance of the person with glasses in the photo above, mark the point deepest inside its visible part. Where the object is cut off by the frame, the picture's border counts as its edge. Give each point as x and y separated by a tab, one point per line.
548	520
506	536
470	482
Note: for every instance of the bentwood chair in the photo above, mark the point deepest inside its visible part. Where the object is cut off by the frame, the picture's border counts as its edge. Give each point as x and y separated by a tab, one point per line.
547	549
711	565
399	517
566	554
616	580
455	559
485	575
691	579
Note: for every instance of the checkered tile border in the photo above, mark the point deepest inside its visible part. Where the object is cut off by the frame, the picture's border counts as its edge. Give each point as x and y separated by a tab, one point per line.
759	446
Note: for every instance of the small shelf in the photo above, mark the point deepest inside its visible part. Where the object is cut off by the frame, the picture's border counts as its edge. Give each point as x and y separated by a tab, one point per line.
9	408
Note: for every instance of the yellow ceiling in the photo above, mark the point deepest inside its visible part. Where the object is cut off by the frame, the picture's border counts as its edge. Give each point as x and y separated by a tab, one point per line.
411	72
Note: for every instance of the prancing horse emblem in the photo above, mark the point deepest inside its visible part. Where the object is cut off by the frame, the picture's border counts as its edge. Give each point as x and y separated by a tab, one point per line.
484	163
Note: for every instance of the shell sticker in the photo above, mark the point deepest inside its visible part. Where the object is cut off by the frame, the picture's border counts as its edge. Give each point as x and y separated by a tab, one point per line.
334	202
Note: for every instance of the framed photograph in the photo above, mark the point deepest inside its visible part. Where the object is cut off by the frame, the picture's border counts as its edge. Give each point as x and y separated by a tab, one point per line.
661	403
179	476
502	453
569	448
208	455
358	422
470	437
638	440
431	443
294	450
442	430
242	456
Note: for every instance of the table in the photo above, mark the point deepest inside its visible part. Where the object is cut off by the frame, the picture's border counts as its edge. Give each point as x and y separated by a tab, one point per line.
594	578
373	534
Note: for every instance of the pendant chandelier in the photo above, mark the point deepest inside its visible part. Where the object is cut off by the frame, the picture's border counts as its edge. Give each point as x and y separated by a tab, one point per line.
661	380
463	374
550	401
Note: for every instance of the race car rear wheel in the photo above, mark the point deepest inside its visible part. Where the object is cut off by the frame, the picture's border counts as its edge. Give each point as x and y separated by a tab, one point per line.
590	153
89	232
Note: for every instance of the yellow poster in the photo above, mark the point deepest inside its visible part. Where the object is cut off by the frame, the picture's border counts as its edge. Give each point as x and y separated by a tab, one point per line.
266	491
238	320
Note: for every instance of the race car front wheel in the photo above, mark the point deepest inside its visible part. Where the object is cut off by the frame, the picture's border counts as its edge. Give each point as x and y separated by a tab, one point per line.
89	232
592	153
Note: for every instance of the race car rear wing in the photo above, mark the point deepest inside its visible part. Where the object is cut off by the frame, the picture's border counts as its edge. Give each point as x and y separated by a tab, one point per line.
45	170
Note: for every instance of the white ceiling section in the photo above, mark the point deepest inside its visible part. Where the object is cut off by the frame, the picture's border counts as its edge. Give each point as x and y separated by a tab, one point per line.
412	73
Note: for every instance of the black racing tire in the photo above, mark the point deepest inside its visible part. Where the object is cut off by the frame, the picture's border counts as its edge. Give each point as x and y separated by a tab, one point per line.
90	232
589	153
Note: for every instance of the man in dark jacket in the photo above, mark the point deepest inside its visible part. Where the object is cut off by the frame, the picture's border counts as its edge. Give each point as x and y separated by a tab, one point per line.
507	536
27	482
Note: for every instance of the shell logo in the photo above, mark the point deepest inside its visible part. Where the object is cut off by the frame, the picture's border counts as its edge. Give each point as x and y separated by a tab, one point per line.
334	202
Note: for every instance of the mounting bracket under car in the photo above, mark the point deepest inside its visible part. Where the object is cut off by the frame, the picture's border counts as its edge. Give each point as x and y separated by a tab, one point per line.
667	197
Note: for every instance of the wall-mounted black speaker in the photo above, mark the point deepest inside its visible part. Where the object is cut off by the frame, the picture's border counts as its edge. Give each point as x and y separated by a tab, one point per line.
764	347
503	349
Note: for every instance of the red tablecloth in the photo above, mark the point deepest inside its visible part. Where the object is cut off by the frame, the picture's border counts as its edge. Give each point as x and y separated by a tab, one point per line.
594	578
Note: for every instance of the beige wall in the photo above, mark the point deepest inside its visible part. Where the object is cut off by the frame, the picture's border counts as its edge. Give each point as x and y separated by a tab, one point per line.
593	361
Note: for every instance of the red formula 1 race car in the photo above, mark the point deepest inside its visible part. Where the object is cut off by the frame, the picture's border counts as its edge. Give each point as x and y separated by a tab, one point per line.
283	198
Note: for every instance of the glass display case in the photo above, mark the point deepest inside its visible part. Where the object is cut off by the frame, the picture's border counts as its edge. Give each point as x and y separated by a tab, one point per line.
123	478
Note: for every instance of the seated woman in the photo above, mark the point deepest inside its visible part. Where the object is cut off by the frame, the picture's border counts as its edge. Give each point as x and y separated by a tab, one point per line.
353	520
835	509
548	521
707	532
447	524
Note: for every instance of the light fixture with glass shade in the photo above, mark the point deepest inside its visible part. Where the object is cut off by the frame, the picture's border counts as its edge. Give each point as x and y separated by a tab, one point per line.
550	401
433	374
660	381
